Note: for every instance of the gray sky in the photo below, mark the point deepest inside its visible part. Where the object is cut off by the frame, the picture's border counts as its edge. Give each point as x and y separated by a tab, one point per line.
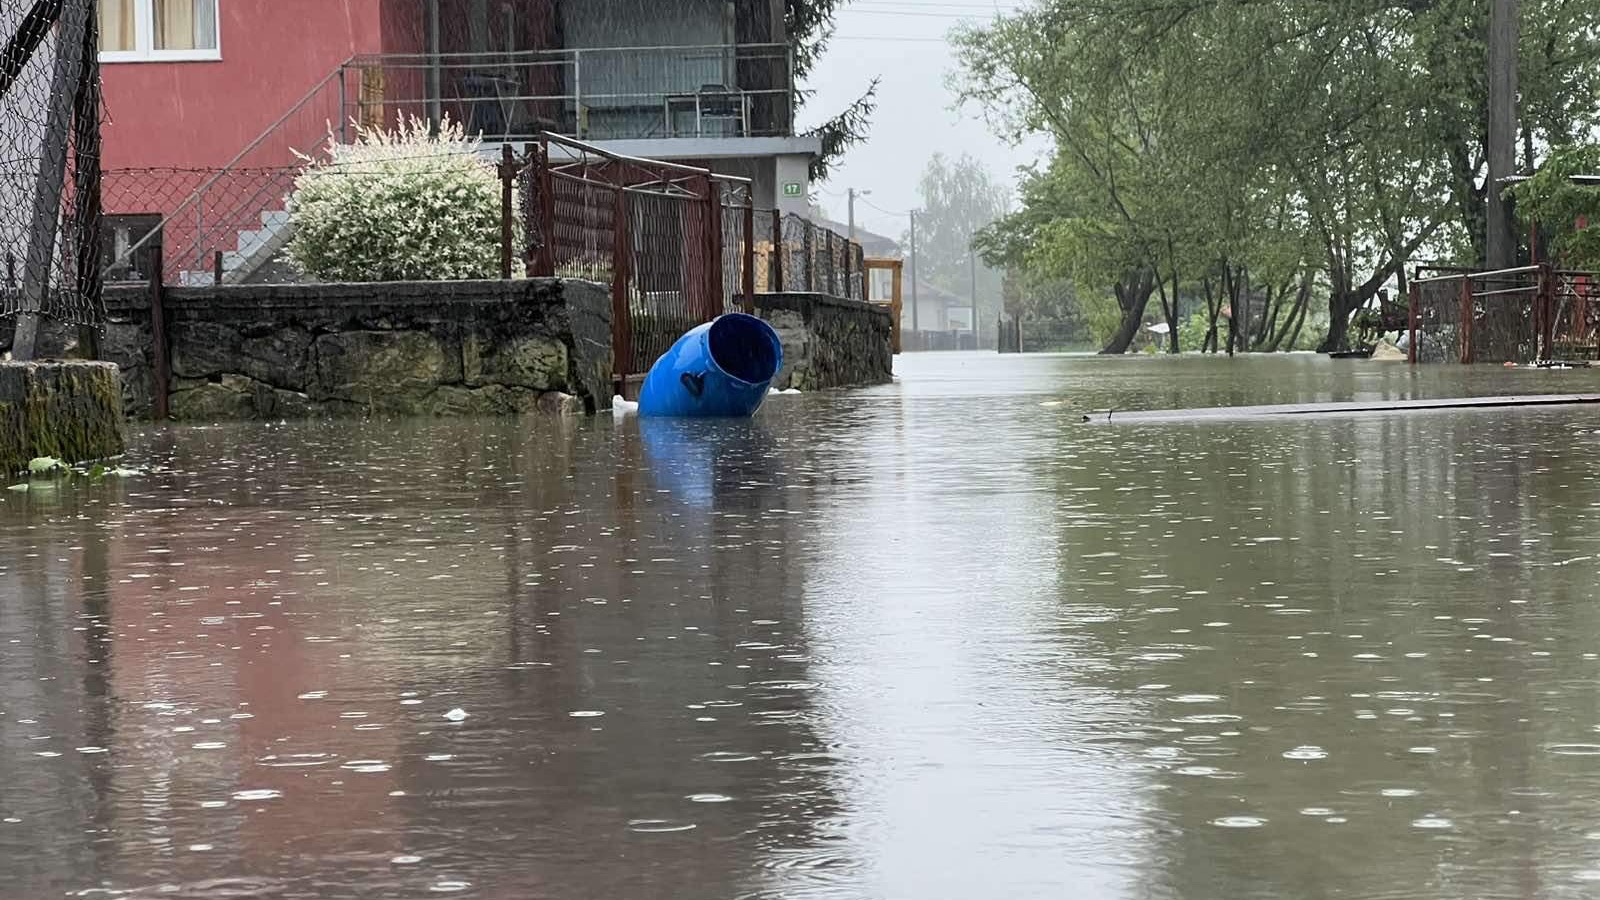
904	42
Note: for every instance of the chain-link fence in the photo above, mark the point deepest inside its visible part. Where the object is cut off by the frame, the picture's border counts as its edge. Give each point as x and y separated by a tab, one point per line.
49	165
198	218
796	254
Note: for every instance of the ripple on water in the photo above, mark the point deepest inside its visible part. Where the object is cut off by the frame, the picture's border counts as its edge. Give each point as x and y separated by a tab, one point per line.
1435	823
366	766
263	794
1399	792
449	887
1573	749
295	760
1239	822
659	826
728	756
1306	752
1207	719
586	713
709	798
1197	698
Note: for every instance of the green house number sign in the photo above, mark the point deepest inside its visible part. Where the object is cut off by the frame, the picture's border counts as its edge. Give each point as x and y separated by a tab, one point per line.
791	189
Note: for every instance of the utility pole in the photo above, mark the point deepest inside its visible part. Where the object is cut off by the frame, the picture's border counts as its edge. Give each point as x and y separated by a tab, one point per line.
972	264
1500	239
852	193
914	328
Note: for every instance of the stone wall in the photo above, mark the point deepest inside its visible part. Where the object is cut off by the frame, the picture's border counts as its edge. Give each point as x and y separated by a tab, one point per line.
69	410
431	348
829	342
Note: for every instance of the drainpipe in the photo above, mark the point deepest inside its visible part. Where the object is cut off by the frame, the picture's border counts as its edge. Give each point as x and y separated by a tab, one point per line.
435	81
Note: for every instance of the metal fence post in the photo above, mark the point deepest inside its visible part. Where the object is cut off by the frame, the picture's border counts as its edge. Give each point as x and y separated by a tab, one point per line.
344	102
808	246
1465	348
1546	316
779	254
161	359
849	260
216	267
621	271
1414	299
715	289
749	255
547	212
508	180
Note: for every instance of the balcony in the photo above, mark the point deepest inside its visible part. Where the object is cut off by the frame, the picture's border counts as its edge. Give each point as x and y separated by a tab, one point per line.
598	94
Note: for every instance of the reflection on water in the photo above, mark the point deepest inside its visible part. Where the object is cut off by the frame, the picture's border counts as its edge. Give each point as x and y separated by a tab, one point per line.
930	640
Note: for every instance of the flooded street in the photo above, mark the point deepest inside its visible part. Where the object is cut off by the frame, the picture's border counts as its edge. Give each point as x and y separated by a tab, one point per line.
933	640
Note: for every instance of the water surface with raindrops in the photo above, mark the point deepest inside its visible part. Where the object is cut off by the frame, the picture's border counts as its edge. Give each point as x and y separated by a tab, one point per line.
936	639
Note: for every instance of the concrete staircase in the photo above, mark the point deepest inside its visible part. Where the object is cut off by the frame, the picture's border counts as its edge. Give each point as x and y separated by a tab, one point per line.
254	251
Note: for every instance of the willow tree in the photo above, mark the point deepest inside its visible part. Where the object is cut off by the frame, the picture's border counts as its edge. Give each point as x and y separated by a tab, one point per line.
1355	127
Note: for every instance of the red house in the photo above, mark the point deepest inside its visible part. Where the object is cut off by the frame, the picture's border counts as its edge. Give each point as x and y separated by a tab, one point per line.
209	100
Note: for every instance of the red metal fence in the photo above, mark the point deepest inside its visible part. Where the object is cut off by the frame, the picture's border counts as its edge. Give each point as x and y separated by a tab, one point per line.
1533	313
675	242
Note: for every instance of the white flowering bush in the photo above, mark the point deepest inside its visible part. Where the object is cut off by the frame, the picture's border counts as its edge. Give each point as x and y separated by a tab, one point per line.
402	205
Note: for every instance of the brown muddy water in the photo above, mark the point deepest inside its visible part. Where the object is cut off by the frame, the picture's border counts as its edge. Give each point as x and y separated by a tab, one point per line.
932	640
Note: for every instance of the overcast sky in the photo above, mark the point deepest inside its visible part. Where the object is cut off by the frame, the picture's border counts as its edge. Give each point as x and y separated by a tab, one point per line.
904	42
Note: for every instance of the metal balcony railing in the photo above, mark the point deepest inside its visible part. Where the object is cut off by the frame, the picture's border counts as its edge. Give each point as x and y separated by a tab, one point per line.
717	90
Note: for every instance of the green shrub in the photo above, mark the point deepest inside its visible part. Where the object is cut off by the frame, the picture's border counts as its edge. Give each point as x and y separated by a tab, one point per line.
402	205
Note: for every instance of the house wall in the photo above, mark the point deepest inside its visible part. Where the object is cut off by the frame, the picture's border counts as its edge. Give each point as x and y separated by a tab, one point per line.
794	168
622	92
201	114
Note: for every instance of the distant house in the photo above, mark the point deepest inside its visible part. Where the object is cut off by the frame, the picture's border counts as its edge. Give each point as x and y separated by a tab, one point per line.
936	310
192	84
873	245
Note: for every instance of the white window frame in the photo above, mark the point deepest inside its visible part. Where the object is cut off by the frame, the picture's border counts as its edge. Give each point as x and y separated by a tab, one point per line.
144	40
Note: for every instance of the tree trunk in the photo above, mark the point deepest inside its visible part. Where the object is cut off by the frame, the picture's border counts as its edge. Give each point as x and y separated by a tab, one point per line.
1231	290
1213	309
1272	312
1172	318
1133	295
1302	304
1169	306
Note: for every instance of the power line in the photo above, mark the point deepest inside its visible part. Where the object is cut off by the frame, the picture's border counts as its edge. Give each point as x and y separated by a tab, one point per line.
887	212
949	16
915	4
887	40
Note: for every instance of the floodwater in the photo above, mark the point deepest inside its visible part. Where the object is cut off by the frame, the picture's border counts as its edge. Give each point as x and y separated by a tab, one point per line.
932	640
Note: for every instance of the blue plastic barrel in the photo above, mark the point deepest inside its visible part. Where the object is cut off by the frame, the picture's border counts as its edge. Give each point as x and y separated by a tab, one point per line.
721	368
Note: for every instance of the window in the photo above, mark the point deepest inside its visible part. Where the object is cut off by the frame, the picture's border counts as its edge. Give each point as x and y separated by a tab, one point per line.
118	234
158	30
